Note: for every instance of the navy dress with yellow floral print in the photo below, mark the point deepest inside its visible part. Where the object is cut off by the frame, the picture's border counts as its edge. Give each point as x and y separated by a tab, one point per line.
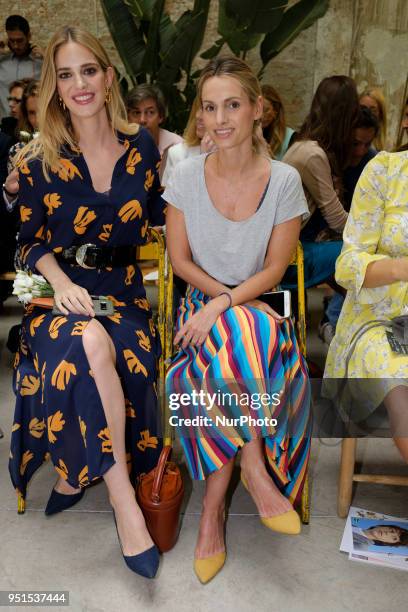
58	409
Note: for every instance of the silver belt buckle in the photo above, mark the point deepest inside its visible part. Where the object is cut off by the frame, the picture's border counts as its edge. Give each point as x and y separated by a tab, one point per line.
80	256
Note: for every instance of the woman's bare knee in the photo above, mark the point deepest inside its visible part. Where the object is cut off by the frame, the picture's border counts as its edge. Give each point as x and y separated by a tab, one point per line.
97	344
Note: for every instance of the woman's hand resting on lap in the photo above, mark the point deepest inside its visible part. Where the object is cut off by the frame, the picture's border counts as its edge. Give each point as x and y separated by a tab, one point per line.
69	297
196	329
265	308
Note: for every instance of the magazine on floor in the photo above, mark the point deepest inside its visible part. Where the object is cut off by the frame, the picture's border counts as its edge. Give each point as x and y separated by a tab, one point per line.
376	538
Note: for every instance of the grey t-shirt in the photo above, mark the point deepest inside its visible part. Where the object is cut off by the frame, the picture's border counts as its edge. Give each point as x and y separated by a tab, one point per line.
232	251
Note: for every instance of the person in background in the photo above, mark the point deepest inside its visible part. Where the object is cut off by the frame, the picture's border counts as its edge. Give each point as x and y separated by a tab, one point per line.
26	130
274	128
196	141
9	123
5	248
321	152
24	60
365	131
374	100
146	105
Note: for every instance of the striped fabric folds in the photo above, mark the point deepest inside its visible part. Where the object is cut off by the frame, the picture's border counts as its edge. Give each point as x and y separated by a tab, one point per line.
246	353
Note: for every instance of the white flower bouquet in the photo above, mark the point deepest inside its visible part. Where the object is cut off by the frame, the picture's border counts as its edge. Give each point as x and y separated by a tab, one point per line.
28	286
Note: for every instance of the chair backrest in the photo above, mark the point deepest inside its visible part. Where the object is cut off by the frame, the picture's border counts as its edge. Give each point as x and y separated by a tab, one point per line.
297	260
155	251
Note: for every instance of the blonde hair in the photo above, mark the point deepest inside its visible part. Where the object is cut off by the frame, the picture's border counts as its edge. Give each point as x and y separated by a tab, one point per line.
236	68
376	94
190	133
276	130
54	123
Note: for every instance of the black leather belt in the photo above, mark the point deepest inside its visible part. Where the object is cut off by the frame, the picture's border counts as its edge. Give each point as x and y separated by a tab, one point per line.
91	257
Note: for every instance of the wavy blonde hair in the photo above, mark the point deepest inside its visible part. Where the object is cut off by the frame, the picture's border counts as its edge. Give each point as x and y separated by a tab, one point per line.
376	94
236	68
54	123
275	132
190	133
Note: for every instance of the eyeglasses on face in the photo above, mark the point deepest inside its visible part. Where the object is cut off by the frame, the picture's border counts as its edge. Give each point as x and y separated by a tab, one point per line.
14	99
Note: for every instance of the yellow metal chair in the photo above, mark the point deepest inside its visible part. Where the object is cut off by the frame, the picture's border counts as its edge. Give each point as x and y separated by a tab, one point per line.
298	261
155	251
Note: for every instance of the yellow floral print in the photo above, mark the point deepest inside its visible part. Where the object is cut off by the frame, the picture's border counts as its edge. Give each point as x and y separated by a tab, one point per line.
149	180
134	364
30	385
147	441
25	213
66	170
36	427
144	341
62	469
55	422
130	272
55	325
130	210
83	477
79	328
52	201
43	381
133	159
143	303
82	219
130	411
62	374
82	426
104	435
152	328
105	234
143	229
116	317
36	322
27	456
40	233
116	302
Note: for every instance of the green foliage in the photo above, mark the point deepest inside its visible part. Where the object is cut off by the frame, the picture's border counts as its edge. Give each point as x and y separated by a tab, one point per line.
153	48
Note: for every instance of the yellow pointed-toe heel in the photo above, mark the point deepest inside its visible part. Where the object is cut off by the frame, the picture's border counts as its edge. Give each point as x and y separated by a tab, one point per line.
209	567
288	522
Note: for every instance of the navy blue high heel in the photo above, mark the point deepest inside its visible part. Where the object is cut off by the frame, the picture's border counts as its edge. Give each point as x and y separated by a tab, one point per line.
146	563
59	502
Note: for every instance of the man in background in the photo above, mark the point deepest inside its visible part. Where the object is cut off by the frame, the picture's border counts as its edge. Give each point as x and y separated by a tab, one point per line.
19	59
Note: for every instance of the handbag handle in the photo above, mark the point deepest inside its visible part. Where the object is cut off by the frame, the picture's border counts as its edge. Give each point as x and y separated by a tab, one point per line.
159	473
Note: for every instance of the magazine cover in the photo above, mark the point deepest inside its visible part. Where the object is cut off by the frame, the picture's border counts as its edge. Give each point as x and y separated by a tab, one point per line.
380	536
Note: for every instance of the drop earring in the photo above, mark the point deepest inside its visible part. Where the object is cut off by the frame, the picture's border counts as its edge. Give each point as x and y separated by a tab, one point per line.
108	95
62	103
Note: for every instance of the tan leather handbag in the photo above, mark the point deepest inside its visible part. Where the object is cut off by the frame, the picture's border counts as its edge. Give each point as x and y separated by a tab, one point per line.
159	494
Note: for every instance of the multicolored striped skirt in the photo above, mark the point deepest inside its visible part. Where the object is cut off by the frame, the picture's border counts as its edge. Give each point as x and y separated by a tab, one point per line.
247	380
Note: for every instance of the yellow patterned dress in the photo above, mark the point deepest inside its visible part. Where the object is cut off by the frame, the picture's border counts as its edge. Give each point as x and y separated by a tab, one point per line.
58	408
377	228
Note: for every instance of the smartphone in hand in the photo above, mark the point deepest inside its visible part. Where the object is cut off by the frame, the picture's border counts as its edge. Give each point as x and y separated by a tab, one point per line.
102	306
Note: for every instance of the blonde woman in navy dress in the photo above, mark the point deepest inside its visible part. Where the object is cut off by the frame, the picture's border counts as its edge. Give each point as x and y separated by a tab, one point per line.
89	178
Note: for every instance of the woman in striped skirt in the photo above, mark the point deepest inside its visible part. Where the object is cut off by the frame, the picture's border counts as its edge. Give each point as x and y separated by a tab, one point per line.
238	380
